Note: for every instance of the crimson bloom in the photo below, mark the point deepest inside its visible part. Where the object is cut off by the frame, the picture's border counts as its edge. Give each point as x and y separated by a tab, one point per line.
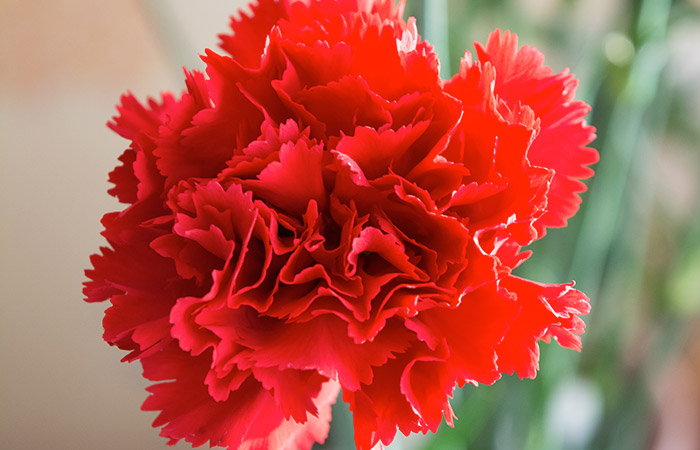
321	211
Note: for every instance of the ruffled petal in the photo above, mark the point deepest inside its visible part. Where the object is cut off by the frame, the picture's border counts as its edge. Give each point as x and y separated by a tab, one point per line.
546	310
522	78
321	344
249	419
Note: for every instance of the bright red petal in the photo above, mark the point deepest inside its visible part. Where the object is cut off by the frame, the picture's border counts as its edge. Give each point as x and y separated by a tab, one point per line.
249	419
322	344
521	77
546	310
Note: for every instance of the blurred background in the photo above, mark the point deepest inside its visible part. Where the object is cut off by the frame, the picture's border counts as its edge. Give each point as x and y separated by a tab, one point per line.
634	247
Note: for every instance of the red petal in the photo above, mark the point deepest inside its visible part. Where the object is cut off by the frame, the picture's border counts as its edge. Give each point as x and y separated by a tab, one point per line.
294	390
374	151
140	124
247	41
249	419
294	181
427	387
545	310
128	269
386	246
471	331
137	322
124	179
380	407
522	78
137	122
360	106
321	344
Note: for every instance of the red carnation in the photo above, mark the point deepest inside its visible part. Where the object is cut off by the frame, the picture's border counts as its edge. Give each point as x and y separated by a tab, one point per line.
320	211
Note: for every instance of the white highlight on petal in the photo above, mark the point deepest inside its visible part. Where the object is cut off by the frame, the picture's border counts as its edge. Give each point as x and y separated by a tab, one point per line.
409	39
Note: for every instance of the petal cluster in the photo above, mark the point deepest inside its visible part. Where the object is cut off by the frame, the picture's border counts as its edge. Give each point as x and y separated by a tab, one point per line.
321	211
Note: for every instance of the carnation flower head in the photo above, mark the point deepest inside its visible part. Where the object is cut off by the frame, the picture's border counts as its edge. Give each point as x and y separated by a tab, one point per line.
320	211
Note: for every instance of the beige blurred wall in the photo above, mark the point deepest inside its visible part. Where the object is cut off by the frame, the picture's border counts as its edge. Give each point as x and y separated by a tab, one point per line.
63	66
